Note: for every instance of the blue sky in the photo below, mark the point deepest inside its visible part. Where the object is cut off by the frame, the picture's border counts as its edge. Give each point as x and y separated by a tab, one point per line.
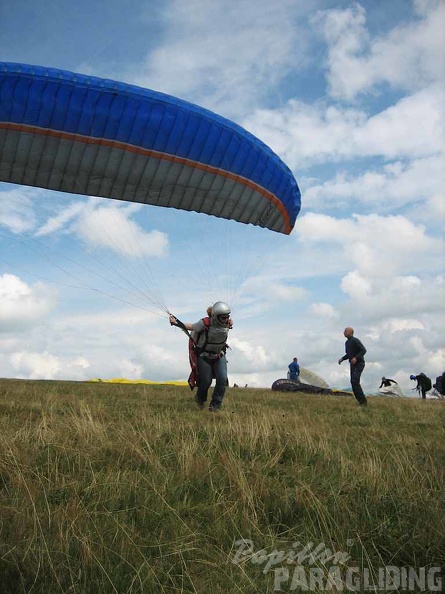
349	94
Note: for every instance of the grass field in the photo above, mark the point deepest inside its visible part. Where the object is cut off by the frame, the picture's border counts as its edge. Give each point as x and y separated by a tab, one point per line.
129	488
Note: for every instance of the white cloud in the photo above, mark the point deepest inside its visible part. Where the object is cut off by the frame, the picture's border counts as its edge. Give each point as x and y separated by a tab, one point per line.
114	343
16	213
323	310
79	362
23	305
414	126
378	246
405	296
249	355
130	369
437	360
304	134
398	325
35	365
355	285
273	290
60	221
224	55
45	365
409	56
432	210
110	227
391	186
345	33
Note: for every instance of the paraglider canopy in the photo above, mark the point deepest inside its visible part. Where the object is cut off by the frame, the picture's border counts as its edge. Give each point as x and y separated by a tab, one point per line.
85	135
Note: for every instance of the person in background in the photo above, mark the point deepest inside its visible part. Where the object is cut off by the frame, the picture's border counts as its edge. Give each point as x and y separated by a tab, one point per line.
424	384
294	370
389	387
386	382
355	353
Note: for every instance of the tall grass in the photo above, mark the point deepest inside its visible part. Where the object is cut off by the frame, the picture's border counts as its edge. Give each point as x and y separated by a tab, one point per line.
131	489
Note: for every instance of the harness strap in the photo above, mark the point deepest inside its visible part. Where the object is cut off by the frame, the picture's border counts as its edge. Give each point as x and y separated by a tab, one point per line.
206	330
212	356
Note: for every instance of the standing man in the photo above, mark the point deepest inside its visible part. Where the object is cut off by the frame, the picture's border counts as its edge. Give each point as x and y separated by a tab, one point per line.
355	352
294	370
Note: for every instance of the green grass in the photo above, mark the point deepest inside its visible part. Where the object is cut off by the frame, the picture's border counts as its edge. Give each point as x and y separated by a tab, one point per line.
129	488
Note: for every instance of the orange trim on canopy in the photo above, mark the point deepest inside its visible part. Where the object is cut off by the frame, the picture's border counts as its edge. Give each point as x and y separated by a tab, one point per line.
156	155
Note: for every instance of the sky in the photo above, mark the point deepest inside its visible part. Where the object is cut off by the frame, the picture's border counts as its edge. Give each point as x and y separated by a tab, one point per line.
350	95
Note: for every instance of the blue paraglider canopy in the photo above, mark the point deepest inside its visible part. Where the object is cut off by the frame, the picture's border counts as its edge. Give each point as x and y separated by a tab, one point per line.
85	135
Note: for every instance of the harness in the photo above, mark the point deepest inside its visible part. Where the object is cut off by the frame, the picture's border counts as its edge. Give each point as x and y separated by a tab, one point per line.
194	338
201	350
210	342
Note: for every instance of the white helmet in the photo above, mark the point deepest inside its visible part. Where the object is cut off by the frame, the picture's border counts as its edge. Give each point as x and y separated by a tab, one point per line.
221	312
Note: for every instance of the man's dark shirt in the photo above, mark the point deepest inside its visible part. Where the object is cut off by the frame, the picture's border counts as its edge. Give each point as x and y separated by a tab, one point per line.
354	348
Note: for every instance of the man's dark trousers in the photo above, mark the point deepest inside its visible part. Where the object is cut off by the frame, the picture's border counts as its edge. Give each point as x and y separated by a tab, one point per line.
356	372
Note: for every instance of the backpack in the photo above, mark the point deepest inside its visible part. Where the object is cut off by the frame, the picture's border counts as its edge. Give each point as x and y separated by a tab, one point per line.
424	382
440	384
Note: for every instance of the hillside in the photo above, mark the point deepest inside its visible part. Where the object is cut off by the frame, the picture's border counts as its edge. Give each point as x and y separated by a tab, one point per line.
129	488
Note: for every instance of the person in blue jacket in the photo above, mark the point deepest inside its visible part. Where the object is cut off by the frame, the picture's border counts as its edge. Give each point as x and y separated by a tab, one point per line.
294	370
355	353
